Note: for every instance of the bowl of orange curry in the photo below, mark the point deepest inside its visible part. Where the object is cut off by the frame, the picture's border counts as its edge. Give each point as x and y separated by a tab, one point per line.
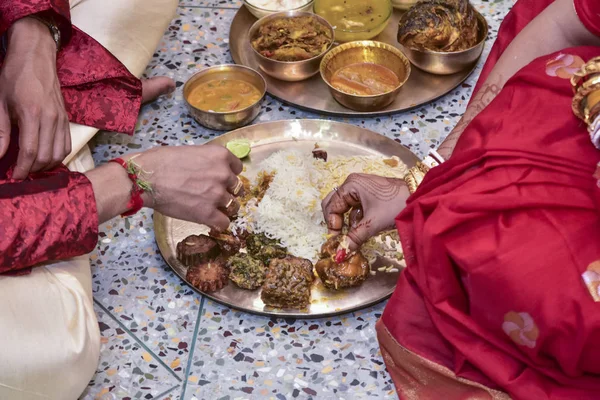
225	97
365	75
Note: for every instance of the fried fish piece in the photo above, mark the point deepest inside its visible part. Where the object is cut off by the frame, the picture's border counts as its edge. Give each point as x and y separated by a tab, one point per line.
439	25
353	271
288	283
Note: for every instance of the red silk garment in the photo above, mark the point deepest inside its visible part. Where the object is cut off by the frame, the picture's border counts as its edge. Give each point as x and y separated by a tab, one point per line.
502	242
52	215
521	14
98	90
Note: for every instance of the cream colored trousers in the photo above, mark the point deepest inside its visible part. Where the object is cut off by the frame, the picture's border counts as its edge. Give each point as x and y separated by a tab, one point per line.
49	337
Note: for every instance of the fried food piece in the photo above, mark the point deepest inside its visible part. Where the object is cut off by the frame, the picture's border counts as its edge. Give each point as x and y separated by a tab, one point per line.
292	39
246	271
288	283
263	248
319	154
196	249
439	25
351	272
228	243
208	276
329	248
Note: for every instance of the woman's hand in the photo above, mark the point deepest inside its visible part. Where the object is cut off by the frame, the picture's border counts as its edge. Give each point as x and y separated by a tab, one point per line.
195	183
30	97
373	202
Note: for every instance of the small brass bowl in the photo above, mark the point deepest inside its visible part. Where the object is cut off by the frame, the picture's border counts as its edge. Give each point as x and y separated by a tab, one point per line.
260	12
403	4
447	63
291	71
366	51
225	120
358	33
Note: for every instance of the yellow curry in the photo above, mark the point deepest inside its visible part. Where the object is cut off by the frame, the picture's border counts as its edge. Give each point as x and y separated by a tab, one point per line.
223	95
355	19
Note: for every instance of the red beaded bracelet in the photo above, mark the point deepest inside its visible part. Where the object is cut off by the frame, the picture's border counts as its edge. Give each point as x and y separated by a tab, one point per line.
136	202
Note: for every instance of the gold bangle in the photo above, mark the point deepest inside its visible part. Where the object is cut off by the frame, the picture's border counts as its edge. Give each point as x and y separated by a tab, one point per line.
415	176
586	86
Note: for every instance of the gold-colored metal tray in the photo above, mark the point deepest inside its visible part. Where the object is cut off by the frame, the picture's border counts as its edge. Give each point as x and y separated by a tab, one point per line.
314	95
337	139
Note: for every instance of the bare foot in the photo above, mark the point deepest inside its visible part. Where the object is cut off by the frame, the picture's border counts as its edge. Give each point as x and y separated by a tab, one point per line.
153	88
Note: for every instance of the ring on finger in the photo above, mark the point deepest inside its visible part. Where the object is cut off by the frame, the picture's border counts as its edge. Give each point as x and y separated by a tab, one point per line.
238	187
335	188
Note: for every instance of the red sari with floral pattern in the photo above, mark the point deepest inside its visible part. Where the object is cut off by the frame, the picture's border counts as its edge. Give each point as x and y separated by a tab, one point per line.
52	215
502	244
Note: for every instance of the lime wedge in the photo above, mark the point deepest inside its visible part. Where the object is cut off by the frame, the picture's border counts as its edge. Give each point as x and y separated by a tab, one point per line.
239	147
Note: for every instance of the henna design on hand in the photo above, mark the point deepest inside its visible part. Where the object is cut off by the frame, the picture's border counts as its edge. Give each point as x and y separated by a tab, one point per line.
482	99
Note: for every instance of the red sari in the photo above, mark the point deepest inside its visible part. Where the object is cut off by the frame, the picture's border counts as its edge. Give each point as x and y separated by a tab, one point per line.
501	294
52	215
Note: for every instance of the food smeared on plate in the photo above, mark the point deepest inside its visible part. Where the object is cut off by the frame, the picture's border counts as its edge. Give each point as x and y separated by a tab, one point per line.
280	232
292	38
439	25
365	79
223	95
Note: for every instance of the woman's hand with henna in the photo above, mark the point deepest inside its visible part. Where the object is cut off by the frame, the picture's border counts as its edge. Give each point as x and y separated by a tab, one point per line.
373	202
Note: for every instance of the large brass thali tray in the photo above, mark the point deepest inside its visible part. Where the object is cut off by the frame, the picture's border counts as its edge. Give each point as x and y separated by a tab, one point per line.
313	94
337	139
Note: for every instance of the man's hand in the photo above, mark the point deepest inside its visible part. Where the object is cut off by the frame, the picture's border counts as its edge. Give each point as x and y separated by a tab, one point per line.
194	183
30	98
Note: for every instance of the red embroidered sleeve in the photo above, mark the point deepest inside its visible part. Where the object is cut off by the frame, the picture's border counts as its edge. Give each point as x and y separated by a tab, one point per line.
98	90
50	216
588	12
12	10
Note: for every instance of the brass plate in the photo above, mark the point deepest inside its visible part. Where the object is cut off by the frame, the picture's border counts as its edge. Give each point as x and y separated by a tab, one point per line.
338	139
314	95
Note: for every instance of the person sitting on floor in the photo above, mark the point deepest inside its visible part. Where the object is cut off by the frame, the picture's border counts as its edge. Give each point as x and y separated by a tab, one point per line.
500	298
53	72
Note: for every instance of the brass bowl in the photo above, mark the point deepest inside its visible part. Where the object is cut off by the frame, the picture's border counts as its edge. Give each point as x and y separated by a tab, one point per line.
447	63
291	71
371	52
362	33
403	4
225	120
260	12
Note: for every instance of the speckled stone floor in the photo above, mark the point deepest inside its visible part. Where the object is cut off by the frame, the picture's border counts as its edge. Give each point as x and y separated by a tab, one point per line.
161	340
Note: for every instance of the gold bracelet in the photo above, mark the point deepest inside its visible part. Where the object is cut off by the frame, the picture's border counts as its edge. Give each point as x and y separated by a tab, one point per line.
416	174
586	87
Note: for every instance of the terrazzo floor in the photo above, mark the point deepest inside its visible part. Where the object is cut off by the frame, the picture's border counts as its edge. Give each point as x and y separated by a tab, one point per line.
161	340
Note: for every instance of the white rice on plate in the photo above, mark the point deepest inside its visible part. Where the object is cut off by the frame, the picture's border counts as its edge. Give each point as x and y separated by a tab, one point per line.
291	208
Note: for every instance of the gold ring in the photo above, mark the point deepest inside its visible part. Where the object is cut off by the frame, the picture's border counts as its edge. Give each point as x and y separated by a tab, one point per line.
238	187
